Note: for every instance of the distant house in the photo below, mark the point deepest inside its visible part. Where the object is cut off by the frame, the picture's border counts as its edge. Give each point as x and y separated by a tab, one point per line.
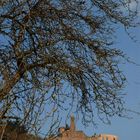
70	133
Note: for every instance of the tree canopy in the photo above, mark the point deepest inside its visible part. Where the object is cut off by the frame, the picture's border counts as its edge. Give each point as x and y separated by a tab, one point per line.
58	56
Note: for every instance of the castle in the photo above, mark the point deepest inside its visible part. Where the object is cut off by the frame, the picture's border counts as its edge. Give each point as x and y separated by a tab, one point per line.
64	133
71	133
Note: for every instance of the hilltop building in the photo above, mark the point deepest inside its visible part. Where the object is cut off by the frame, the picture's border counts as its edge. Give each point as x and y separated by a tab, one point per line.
71	133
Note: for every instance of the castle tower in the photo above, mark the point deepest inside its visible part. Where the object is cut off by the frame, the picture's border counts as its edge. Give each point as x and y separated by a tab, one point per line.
72	124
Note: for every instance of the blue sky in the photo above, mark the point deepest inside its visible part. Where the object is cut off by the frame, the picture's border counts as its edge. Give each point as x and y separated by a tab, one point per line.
125	129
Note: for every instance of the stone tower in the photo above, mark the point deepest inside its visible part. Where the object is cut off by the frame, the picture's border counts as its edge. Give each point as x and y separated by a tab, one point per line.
72	124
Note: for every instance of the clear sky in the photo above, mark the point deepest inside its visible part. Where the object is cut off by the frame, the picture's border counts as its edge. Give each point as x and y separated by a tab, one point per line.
125	129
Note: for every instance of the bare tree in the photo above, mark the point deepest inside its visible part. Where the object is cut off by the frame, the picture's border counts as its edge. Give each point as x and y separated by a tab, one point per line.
57	56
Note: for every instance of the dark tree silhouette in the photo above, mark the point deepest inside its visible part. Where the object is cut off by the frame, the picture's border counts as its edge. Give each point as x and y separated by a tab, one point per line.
58	56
